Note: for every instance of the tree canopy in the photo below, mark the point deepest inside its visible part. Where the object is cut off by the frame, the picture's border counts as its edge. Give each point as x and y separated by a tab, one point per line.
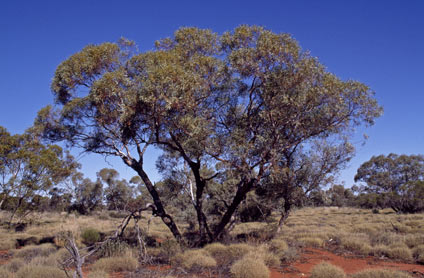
29	168
226	106
397	179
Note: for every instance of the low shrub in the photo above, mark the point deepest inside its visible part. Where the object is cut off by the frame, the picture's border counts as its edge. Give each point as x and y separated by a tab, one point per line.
248	267
326	270
116	264
380	250
98	274
400	253
29	252
194	260
380	273
90	236
39	271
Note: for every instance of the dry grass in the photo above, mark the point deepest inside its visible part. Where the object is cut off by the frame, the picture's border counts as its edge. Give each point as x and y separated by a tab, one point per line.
4	273
38	271
116	264
194	260
326	270
248	267
29	252
380	273
98	274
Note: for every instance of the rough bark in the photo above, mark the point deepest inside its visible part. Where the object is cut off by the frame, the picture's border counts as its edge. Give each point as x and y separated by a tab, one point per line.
243	189
159	209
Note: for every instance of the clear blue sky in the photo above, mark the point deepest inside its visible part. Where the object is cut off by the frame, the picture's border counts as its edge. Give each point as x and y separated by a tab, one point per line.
380	43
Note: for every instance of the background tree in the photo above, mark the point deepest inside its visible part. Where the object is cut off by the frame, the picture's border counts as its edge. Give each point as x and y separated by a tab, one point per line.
231	103
88	195
398	179
118	193
29	169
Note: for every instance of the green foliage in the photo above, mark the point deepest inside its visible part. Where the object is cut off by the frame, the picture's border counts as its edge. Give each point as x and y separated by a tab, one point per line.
397	181
224	106
28	168
89	236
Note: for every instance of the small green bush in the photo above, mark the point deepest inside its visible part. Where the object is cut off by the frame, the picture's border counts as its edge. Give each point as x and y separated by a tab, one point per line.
116	264
380	273
194	260
90	236
98	274
248	267
326	270
217	250
39	271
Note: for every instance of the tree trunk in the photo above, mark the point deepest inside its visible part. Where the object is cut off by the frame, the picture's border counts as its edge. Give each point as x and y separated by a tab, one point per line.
284	215
159	209
238	198
205	233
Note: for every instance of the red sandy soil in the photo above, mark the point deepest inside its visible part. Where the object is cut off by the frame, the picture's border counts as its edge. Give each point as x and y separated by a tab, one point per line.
311	257
4	256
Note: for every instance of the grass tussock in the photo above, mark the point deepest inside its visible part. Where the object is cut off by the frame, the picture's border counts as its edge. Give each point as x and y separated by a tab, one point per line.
248	267
98	274
194	260
14	265
39	271
29	252
315	242
357	246
116	264
4	273
400	253
264	254
7	244
380	273
326	270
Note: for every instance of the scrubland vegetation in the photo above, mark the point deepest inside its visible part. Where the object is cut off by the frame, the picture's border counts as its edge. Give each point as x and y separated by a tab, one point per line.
246	252
252	131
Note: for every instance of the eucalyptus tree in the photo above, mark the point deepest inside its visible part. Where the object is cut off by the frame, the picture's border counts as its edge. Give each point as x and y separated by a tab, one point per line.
232	103
29	168
398	181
